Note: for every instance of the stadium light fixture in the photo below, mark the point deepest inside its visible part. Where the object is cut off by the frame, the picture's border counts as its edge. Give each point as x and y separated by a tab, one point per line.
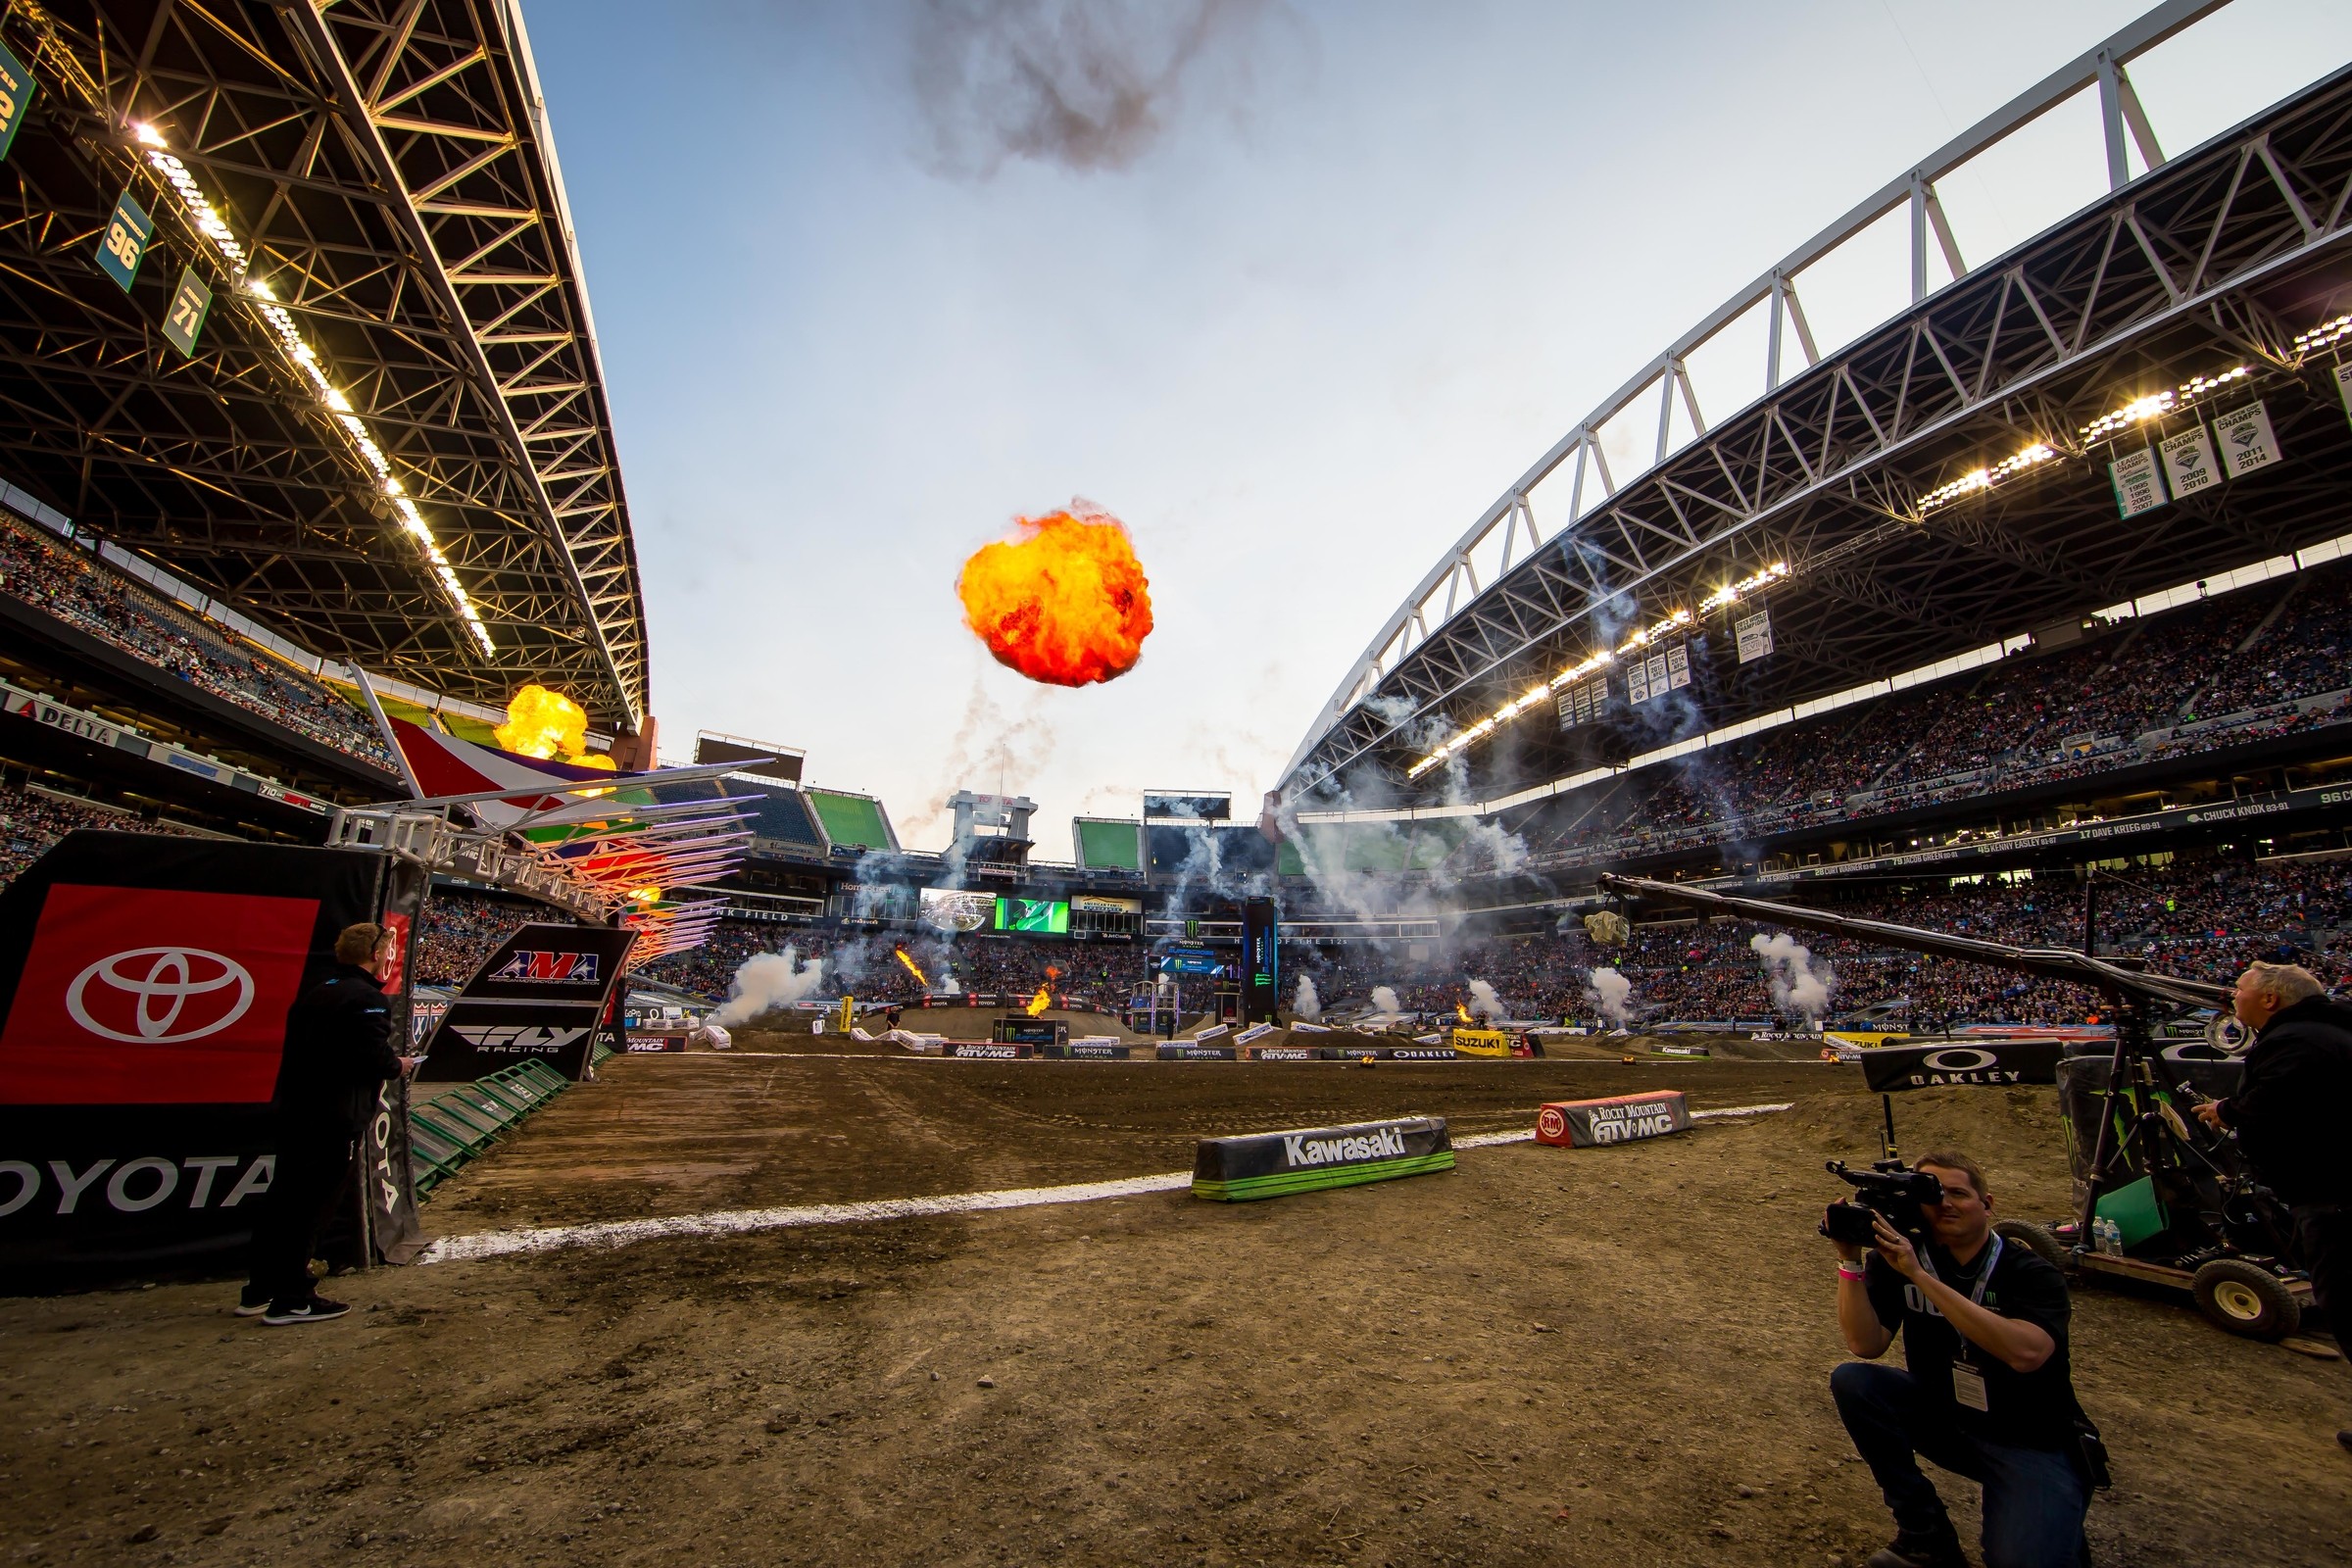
1601	658
2325	335
2156	405
1980	479
208	222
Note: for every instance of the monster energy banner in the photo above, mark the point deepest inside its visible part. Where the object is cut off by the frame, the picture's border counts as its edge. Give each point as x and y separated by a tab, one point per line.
1889	1068
1276	1164
144	988
1586	1123
538	998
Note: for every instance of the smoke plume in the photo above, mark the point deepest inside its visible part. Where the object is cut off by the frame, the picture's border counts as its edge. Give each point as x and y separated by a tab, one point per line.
1384	999
768	980
1084	84
1613	993
1305	1003
1789	967
1484	1002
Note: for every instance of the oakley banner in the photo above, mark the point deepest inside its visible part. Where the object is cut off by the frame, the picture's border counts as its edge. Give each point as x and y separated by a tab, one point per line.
539	997
1889	1068
144	987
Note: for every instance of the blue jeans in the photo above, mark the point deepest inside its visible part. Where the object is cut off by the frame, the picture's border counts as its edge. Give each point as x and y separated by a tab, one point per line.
2033	1500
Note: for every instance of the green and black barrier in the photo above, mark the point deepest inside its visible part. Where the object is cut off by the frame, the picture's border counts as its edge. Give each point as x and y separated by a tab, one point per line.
462	1124
1277	1164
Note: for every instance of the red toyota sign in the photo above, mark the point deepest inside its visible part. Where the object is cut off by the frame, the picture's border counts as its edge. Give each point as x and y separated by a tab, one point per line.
138	996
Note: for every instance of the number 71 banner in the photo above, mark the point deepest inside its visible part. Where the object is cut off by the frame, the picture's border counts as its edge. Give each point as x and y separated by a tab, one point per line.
190	303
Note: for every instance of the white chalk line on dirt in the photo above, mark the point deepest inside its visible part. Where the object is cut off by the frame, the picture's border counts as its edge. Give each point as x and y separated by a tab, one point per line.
736	1221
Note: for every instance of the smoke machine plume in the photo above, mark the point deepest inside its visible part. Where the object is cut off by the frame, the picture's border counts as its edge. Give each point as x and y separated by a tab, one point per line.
768	980
1065	602
1789	967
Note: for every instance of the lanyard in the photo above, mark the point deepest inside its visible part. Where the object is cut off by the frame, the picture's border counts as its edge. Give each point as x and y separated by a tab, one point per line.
1975	1295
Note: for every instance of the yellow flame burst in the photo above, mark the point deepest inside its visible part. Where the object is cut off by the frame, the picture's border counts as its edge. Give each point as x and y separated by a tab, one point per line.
1041	1002
912	968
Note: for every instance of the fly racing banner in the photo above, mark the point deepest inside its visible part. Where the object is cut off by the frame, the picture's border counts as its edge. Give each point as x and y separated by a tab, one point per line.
539	997
1889	1068
1277	1164
145	988
1624	1119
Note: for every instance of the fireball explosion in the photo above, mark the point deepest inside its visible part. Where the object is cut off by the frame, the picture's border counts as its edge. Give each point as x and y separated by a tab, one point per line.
1065	602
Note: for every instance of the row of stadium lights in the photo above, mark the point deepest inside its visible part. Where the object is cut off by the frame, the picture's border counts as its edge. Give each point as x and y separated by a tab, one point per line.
207	219
1729	594
2156	406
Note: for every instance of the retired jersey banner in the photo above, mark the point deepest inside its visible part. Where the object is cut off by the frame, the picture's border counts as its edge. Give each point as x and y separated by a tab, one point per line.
1889	1068
1276	1164
144	987
539	997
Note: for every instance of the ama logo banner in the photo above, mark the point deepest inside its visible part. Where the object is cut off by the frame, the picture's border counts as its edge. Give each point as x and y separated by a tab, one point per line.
539	997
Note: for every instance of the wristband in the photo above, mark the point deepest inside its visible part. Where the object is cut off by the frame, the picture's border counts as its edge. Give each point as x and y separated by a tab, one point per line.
1845	1273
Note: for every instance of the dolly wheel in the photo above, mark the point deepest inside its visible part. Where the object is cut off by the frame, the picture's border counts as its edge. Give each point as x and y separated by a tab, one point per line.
2245	1299
2038	1240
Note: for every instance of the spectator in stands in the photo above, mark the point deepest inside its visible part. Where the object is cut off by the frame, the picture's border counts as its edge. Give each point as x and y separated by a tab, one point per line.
338	1051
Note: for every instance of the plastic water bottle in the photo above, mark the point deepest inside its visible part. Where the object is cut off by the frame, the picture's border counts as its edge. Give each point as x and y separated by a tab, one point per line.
2107	1237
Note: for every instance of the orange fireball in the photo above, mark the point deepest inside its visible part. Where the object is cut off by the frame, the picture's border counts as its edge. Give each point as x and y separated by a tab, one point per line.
1065	602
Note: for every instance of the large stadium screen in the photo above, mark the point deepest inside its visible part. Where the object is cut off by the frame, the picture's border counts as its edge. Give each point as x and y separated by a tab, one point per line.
1047	916
955	909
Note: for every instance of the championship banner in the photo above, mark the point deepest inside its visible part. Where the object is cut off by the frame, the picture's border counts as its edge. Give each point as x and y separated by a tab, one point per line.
1276	1164
1888	1069
144	988
1624	1119
539	997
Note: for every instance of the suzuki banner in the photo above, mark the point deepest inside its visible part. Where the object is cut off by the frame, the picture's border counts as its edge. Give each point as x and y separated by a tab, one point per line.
144	987
539	997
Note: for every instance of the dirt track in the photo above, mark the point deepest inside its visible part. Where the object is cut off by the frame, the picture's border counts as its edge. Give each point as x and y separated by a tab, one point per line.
1593	1358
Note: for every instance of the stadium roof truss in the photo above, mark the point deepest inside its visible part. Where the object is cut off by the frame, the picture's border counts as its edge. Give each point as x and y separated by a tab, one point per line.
399	359
2184	269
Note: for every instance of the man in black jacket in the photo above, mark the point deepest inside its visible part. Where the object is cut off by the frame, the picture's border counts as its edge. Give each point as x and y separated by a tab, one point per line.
339	1050
2287	1114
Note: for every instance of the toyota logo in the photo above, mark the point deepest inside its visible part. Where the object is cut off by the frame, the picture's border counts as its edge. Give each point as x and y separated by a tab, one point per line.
1959	1059
162	983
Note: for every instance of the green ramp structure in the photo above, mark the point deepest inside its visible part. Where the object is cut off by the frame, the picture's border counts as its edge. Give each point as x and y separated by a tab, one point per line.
1277	1164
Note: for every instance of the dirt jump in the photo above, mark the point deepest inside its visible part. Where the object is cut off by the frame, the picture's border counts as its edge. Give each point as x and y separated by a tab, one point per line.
1604	1357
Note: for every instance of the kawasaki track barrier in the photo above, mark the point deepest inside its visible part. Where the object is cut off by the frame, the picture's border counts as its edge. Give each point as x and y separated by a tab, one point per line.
1277	1164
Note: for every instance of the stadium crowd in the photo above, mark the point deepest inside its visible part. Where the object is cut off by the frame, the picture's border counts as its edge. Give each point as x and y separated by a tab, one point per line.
62	582
31	821
2217	673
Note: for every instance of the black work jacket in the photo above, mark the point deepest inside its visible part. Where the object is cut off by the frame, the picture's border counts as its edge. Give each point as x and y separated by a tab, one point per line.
2289	1110
338	1048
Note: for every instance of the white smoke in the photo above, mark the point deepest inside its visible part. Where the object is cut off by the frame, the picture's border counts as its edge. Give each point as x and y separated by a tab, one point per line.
1484	1002
768	980
1384	999
1789	967
1305	1003
1612	993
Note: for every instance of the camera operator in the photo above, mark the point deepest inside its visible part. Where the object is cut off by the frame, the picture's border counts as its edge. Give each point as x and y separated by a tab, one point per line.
1986	1393
2286	1111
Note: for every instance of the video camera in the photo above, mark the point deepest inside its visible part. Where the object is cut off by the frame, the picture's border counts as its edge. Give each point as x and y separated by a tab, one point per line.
1889	1188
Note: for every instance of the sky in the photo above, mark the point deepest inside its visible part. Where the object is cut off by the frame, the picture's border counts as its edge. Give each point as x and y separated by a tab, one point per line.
1295	290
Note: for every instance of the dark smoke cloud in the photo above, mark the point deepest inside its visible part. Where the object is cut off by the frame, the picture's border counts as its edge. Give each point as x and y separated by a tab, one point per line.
1086	84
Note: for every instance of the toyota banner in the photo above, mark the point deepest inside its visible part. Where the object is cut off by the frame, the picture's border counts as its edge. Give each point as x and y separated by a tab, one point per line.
144	987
